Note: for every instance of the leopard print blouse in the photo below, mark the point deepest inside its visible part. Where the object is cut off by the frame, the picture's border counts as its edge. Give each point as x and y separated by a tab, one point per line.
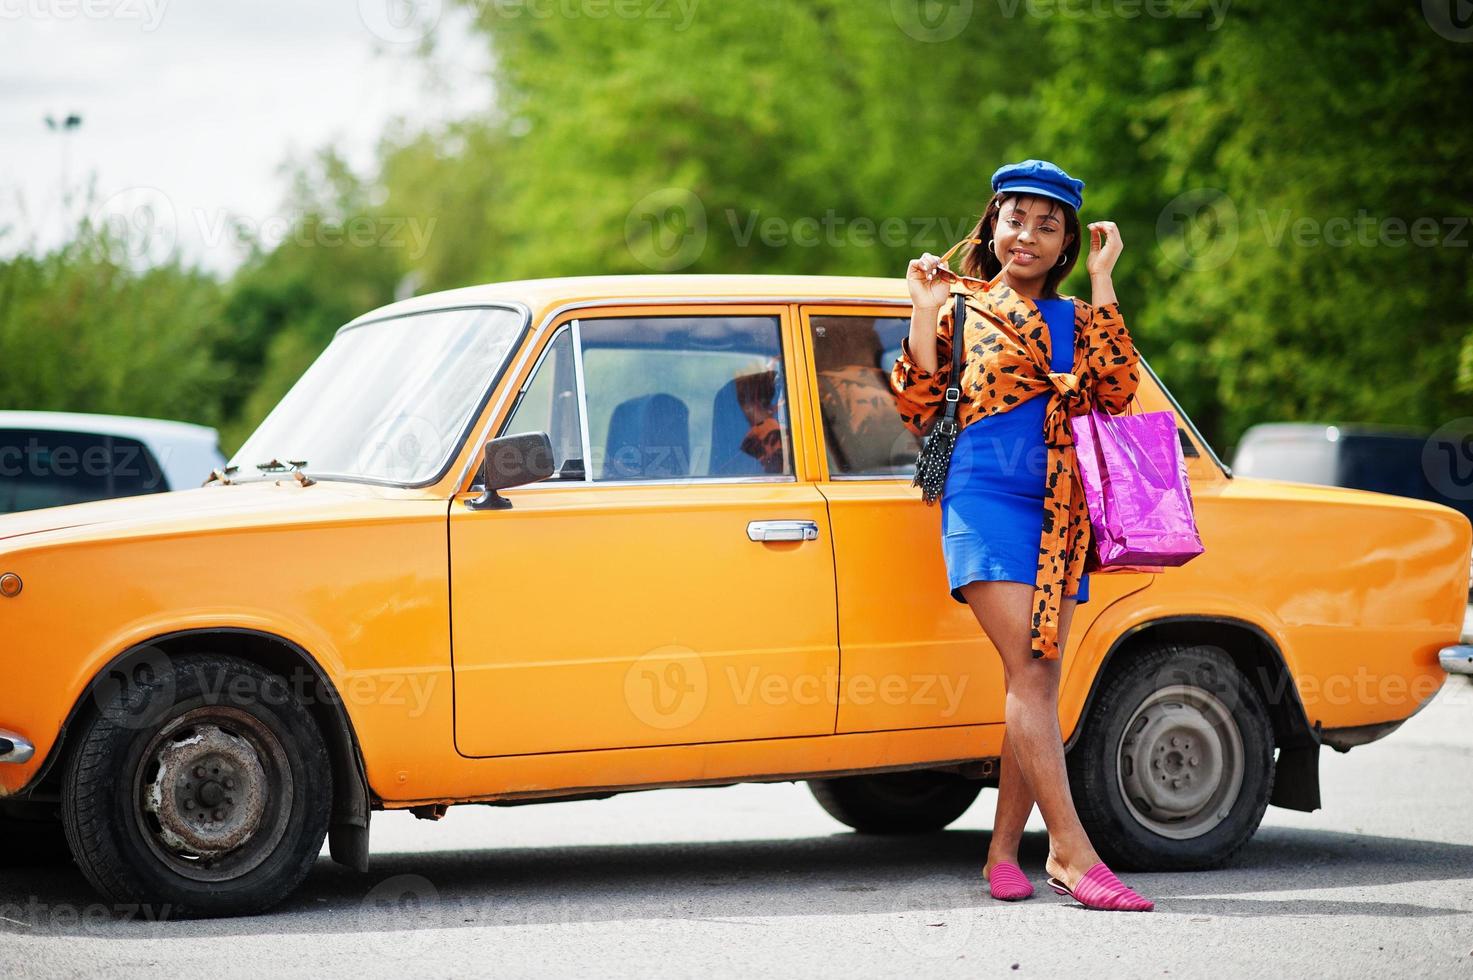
1007	362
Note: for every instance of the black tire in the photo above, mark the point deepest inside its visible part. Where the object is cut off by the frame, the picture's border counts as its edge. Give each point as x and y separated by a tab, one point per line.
146	827
32	837
917	801
1151	804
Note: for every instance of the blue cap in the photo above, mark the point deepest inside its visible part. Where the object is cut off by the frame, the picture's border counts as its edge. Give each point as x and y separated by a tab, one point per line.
1039	177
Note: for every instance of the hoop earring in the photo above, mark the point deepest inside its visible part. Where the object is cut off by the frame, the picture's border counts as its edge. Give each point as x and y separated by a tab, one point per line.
1062	259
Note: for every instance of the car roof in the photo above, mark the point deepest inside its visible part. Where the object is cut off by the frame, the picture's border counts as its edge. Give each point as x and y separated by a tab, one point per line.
543	294
111	425
1323	430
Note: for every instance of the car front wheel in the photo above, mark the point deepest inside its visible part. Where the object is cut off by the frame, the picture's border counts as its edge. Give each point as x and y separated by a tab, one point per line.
201	787
1174	767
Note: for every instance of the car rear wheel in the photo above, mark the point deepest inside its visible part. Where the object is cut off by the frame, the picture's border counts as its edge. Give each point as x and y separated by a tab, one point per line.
912	802
202	787
31	836
1174	767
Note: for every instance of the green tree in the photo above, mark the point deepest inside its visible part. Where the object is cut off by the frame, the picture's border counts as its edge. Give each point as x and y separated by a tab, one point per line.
83	330
1273	170
338	258
762	136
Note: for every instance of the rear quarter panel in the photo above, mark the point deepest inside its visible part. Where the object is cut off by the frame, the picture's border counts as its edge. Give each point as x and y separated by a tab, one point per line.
1359	590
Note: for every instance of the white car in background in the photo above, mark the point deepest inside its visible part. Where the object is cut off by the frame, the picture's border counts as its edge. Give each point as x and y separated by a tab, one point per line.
48	459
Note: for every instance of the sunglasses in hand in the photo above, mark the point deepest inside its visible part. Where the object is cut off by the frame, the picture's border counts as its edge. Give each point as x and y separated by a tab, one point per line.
944	274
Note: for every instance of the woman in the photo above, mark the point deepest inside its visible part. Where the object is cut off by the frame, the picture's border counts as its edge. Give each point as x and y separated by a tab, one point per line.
1015	530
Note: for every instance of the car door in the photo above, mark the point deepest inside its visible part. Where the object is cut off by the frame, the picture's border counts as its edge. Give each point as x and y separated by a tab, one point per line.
913	657
673	582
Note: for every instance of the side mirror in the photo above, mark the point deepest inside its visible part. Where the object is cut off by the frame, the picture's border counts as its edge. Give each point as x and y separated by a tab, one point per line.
512	461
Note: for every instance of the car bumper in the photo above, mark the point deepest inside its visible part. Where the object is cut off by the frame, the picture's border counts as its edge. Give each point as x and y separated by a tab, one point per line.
15	747
1456	659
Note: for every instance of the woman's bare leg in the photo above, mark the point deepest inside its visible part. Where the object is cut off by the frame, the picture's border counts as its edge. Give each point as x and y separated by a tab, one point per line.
1033	743
1014	807
1015	797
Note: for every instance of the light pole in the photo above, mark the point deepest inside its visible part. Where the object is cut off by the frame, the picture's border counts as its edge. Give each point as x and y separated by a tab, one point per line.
64	126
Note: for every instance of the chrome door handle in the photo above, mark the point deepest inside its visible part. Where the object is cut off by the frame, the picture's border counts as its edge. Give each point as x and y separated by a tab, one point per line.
782	530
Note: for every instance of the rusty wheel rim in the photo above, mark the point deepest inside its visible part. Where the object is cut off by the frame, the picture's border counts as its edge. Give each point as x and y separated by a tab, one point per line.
213	793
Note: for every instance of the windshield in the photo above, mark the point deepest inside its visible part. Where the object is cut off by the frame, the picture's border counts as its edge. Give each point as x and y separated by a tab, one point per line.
388	400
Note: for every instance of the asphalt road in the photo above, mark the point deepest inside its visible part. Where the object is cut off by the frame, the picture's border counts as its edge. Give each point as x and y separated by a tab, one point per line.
737	880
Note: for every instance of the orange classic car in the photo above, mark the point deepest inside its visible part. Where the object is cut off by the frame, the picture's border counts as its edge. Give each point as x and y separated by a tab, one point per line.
568	538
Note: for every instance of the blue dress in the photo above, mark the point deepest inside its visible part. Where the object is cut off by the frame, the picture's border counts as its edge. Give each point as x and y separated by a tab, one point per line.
992	502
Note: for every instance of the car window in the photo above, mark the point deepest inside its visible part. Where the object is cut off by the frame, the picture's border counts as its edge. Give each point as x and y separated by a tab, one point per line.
864	434
685	397
1301	456
387	401
550	405
42	468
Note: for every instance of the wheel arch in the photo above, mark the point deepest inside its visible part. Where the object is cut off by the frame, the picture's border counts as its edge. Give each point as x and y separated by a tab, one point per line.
352	797
1262	662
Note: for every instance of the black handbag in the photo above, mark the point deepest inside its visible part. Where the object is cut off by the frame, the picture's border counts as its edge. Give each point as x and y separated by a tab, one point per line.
934	459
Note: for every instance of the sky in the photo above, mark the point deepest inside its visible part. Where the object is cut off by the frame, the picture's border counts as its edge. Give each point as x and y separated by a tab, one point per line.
190	107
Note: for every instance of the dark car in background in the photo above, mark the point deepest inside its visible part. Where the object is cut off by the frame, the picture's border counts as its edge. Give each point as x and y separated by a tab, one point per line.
49	459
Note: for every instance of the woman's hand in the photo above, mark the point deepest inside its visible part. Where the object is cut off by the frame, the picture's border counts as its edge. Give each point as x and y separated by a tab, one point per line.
1102	256
926	292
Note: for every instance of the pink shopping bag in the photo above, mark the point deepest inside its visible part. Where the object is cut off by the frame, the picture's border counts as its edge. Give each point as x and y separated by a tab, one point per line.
1135	483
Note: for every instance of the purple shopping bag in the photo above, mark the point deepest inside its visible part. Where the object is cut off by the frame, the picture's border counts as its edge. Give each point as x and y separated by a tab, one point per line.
1135	483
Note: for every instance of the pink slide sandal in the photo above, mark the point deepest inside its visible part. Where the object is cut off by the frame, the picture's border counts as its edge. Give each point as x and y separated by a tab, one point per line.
1100	889
1008	882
